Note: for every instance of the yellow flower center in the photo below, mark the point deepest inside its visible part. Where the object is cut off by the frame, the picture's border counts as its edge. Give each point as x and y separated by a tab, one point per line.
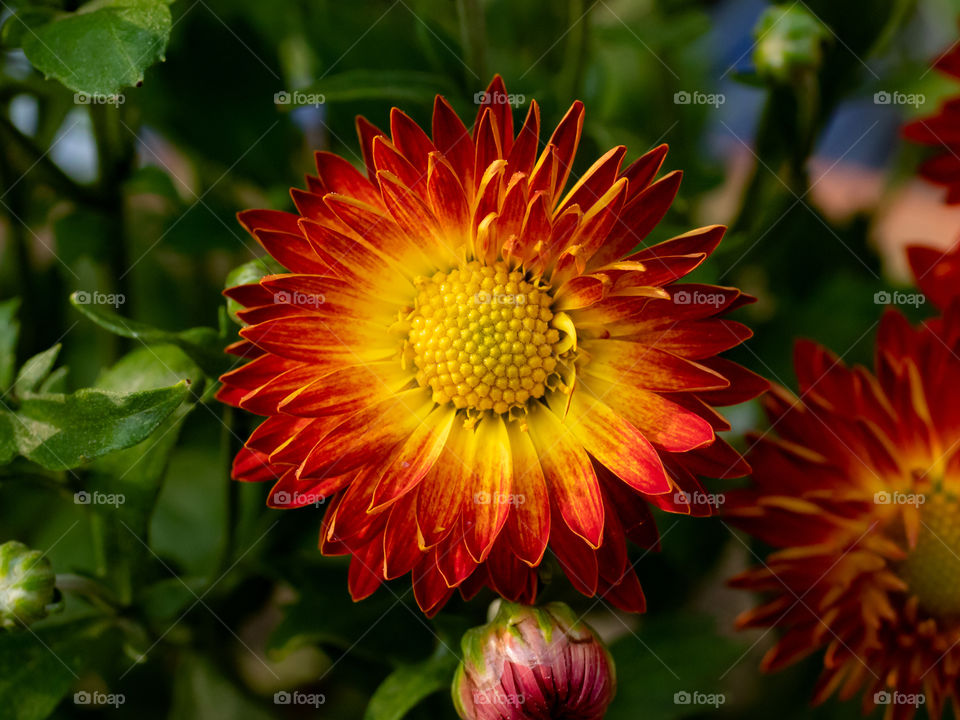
932	569
481	337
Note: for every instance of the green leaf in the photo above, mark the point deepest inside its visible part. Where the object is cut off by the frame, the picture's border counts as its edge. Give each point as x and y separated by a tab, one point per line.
200	691
37	670
670	654
35	371
9	331
65	431
202	345
395	85
56	382
8	440
137	471
102	47
409	684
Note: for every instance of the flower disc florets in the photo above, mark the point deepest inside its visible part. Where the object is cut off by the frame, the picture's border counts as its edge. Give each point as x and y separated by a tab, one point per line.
480	337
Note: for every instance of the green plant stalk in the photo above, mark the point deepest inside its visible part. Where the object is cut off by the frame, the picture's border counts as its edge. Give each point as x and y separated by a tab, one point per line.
473	36
575	57
115	155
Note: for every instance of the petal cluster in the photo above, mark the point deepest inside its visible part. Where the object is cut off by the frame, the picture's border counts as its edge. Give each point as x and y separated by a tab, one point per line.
457	434
859	495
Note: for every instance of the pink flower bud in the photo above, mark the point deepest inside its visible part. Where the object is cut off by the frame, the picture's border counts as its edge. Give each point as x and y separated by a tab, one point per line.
533	664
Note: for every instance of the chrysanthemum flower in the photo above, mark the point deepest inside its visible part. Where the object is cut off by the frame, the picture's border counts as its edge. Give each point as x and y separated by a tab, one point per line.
942	131
473	363
860	497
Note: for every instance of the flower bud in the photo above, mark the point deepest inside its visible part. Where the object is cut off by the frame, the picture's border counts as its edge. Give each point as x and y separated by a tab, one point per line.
789	42
533	663
27	591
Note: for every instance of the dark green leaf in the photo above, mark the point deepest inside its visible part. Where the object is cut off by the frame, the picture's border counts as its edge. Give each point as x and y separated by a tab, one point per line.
9	331
409	684
200	691
35	370
669	655
8	440
102	47
202	345
37	670
137	471
65	431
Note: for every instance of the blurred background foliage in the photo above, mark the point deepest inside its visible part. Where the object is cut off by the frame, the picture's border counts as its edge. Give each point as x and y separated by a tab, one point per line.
193	600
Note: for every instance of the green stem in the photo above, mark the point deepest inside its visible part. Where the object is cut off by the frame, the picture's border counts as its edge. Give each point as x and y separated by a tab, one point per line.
473	36
575	57
40	160
115	154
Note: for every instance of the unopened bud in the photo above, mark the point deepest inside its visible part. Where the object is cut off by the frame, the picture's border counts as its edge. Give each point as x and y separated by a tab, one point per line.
789	42
531	664
27	591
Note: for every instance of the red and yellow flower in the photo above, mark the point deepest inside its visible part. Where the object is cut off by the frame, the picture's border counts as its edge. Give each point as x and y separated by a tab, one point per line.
473	363
942	131
860	497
